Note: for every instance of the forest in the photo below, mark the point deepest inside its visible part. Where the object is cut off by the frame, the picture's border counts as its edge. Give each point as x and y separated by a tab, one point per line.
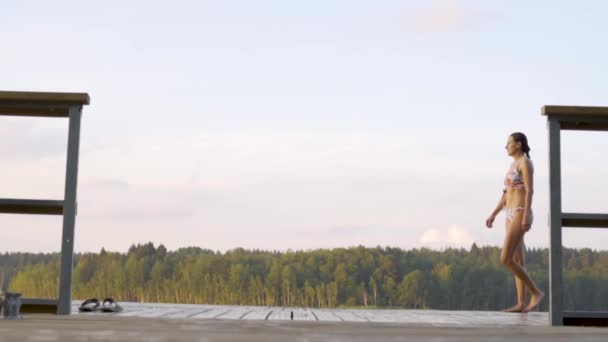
380	277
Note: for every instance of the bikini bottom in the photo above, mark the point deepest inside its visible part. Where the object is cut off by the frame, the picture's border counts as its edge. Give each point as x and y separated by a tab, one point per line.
511	213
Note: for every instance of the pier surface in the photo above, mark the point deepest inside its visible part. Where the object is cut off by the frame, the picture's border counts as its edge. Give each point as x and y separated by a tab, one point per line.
435	318
184	322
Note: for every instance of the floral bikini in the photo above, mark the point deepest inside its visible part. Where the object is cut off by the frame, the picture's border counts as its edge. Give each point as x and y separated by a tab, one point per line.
513	180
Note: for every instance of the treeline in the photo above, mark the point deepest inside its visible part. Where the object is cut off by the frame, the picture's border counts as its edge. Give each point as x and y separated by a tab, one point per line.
453	279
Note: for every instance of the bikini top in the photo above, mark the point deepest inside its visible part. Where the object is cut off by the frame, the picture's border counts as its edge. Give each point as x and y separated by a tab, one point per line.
513	179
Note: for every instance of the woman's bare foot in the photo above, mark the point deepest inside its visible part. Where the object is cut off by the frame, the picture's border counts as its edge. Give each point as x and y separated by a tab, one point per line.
517	308
534	301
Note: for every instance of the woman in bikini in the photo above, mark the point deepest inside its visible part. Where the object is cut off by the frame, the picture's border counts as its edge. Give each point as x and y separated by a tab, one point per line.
516	200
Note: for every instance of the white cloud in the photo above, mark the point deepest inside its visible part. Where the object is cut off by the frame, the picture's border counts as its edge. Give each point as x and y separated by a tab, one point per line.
431	236
32	138
444	16
453	236
114	200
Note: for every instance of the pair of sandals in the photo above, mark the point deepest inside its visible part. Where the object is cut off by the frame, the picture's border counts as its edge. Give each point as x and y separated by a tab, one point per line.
93	304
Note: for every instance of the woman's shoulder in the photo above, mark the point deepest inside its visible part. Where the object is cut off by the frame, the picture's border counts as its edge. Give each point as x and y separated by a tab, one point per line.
525	162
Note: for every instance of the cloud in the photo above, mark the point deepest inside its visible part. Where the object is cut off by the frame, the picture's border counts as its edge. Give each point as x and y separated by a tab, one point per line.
453	236
110	200
107	184
444	16
351	230
32	138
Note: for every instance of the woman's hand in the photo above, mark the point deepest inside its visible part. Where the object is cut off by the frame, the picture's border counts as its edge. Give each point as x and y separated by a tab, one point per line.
525	223
490	220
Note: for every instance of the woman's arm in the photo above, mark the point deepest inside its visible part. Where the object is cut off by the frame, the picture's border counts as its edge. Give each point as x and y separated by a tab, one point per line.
527	173
501	204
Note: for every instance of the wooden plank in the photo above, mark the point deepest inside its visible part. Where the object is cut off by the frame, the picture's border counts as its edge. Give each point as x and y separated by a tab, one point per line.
212	313
589	314
447	318
279	314
555	223
69	212
376	315
585	125
585	220
575	110
284	314
586	318
303	314
42	301
390	316
326	315
132	311
186	313
236	312
38	305
260	313
162	312
46	328
54	111
44	97
578	118
30	206
349	316
435	318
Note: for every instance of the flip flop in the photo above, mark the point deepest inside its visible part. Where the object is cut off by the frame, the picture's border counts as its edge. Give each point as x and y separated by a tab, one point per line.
89	305
111	306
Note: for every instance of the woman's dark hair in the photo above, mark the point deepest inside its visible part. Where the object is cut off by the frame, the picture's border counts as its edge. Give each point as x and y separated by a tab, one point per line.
521	138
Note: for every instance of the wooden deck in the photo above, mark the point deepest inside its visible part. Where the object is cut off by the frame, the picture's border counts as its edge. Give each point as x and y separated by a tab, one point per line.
173	329
215	323
433	318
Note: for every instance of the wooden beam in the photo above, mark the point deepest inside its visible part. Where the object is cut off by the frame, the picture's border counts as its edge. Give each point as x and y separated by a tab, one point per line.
575	110
586	318
44	97
29	206
53	105
595	314
555	228
585	125
69	214
50	111
584	220
38	305
578	118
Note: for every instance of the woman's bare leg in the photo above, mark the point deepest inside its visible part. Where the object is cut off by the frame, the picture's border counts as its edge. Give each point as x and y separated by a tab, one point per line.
519	284
519	258
513	239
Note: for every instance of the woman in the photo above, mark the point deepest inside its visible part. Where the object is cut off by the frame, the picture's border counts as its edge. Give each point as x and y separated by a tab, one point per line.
517	201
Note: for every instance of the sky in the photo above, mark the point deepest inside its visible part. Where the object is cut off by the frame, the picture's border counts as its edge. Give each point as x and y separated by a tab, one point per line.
299	125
